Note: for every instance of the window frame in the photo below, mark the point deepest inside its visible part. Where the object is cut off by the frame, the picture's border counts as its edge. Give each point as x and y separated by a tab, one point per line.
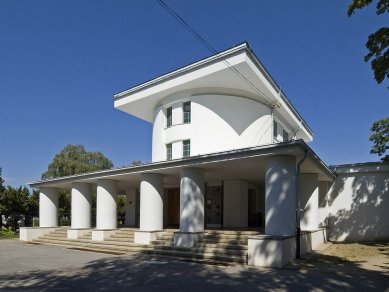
169	151
186	115
275	130
285	134
169	116
185	152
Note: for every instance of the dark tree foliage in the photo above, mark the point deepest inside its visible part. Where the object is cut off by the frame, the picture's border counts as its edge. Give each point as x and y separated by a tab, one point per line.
378	42
14	204
380	138
74	159
2	187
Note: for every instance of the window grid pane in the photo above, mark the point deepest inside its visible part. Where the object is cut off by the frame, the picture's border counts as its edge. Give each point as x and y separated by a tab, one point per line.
285	136
186	148
169	151
186	110
275	131
168	116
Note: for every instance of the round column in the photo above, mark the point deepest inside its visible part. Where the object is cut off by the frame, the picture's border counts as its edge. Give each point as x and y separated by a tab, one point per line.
309	200
48	207
106	208
81	205
192	200
280	197
151	202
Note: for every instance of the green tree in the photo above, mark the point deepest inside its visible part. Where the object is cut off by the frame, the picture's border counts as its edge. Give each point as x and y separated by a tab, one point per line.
378	42
380	138
14	204
74	159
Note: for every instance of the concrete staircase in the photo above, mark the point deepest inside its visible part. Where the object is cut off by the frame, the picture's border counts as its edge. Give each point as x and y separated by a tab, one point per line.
215	247
120	242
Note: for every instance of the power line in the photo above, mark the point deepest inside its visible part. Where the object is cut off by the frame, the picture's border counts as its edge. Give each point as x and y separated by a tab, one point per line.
214	51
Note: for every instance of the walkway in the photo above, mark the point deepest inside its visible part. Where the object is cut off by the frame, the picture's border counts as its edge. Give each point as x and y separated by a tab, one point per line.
43	267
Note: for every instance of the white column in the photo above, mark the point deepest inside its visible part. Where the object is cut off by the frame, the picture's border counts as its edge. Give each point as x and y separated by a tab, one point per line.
130	207
280	198
192	200
309	200
106	208
151	202
81	205
48	207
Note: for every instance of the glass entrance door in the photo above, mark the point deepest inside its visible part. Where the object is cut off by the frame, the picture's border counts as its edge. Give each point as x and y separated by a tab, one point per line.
214	206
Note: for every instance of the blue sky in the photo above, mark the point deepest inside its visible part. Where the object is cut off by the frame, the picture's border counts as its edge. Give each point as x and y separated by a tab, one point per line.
62	61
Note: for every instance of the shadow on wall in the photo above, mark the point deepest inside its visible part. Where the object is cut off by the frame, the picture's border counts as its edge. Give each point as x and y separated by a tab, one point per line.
143	274
359	205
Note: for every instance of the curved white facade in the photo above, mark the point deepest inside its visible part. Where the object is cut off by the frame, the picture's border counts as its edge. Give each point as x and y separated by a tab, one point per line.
218	123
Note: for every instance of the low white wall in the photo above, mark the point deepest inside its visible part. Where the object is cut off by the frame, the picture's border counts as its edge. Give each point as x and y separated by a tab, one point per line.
359	203
31	233
278	251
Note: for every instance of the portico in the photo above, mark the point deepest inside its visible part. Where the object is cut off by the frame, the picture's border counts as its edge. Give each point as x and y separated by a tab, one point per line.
269	170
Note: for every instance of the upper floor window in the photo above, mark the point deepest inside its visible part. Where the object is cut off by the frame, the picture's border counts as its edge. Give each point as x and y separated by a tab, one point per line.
169	151
186	111
186	148
275	130
285	136
168	116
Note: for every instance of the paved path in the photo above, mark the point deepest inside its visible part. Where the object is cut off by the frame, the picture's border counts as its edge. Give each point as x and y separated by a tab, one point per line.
47	268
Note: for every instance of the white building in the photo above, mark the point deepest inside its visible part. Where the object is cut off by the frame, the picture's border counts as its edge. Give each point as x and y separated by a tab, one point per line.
229	151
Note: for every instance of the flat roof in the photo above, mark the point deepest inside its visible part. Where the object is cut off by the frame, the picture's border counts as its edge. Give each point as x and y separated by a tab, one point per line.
219	57
253	158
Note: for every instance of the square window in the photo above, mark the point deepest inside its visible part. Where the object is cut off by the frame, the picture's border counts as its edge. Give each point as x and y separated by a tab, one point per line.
187	111
285	136
168	116
169	151
275	130
186	148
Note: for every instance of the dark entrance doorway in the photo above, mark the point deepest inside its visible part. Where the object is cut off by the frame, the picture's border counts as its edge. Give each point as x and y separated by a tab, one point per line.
254	215
173	207
214	206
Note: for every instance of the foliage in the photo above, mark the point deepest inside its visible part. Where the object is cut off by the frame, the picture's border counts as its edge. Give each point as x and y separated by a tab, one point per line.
380	138
378	42
14	204
121	203
74	159
6	233
2	187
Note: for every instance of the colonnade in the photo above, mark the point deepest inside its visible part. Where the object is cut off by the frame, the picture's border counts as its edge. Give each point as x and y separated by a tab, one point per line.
280	202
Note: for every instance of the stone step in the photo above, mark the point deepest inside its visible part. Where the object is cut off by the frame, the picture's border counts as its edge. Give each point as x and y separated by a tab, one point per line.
205	250
223	241
196	255
94	244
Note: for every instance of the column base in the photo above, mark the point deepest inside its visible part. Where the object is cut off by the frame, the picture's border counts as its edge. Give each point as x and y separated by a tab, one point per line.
31	233
103	234
278	251
145	237
187	239
75	233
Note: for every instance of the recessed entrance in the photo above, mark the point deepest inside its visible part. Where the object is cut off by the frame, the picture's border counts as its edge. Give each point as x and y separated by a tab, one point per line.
173	207
214	206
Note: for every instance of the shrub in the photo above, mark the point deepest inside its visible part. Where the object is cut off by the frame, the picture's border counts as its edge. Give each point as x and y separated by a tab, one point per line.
7	233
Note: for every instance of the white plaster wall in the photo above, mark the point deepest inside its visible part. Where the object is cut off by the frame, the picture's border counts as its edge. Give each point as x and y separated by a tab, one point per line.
81	205
218	123
235	208
323	212
106	208
359	203
309	200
